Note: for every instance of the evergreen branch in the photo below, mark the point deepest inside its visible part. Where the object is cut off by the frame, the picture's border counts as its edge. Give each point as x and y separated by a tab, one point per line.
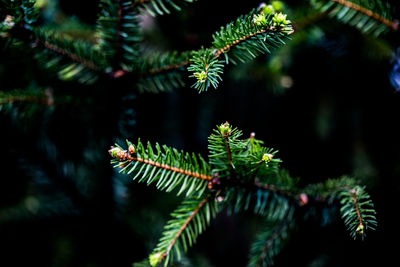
369	16
369	13
226	134
27	96
71	59
160	7
224	150
162	72
166	167
189	221
263	161
357	211
262	201
239	41
274	188
206	68
270	241
251	35
65	52
119	33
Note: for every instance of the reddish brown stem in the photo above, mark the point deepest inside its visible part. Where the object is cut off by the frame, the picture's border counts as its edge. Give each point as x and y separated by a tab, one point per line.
183	227
123	155
72	56
354	197
392	24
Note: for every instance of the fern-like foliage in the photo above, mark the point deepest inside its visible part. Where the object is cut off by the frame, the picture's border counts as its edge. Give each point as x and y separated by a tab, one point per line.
206	68
239	41
165	166
241	174
270	241
118	31
251	35
162	71
115	49
70	59
161	7
188	222
370	16
357	211
31	95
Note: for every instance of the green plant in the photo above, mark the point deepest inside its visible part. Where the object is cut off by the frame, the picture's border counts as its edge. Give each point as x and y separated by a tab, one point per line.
241	174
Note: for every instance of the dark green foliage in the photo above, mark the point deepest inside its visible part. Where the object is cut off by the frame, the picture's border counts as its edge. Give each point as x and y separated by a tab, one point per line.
166	167
161	7
162	71
70	59
119	33
270	241
250	35
239	41
188	222
241	173
206	68
357	211
245	176
369	16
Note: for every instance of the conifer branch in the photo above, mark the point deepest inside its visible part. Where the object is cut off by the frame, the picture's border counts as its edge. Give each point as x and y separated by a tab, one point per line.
270	241
160	7
162	71
27	96
357	211
65	52
369	16
239	41
243	175
392	24
119	32
273	188
189	221
166	167
71	59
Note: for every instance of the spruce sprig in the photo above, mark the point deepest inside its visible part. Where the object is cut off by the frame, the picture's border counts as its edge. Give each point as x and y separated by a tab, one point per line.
357	211
167	167
119	34
188	222
241	175
269	242
160	7
239	41
369	16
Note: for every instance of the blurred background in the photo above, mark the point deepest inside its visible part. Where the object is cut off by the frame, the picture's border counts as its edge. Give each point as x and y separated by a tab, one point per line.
327	101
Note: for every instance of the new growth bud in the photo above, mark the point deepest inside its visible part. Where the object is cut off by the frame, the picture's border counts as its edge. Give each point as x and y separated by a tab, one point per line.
267	157
360	229
269	10
225	129
260	20
118	153
131	149
279	19
155	258
201	76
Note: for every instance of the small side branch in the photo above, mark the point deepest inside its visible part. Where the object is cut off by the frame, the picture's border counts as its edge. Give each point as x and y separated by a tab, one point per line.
71	55
354	194
183	227
392	24
124	155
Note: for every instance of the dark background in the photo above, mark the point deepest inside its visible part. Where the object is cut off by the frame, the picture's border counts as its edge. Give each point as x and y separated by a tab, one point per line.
61	204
